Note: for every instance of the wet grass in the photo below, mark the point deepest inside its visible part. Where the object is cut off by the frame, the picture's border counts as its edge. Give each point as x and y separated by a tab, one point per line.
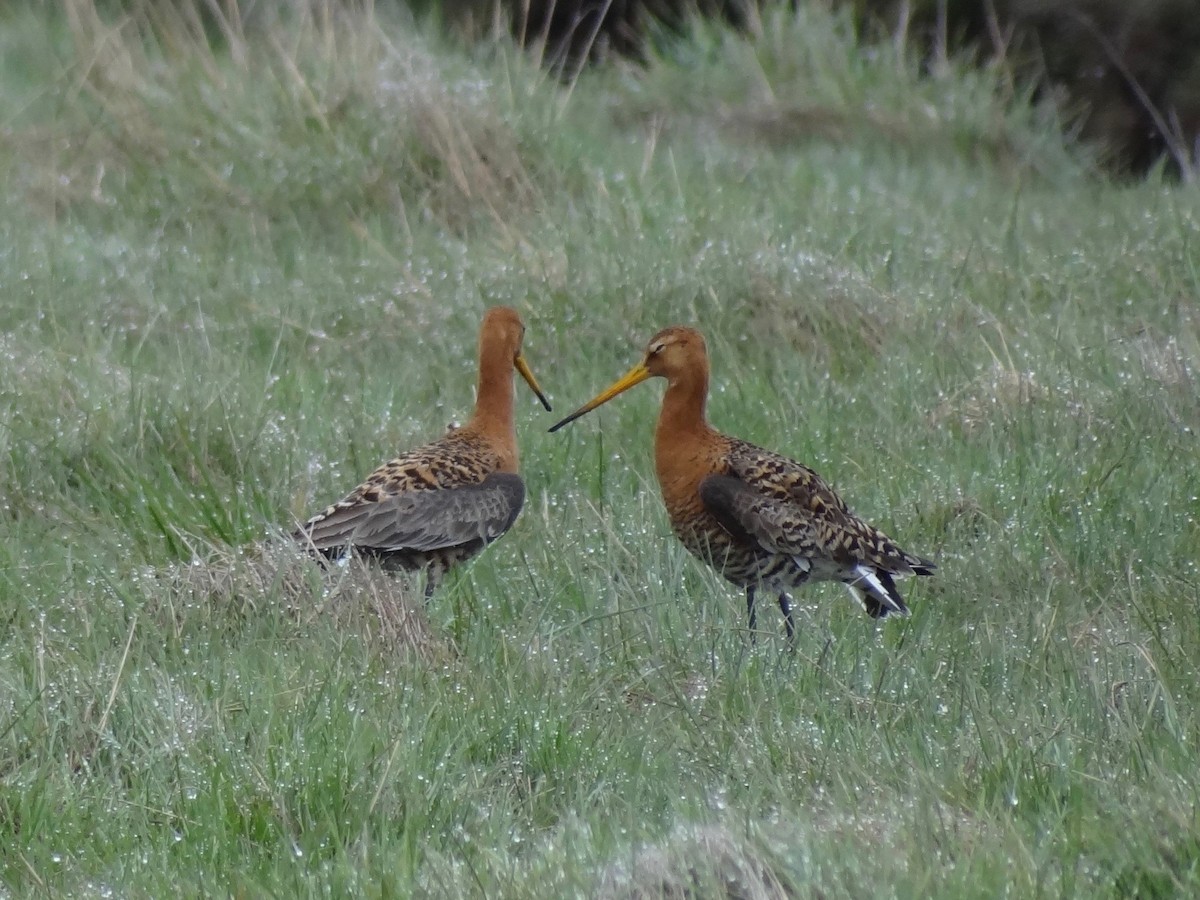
239	272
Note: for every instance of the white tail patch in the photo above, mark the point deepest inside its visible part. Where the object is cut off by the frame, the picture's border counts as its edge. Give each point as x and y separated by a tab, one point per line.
868	581
856	594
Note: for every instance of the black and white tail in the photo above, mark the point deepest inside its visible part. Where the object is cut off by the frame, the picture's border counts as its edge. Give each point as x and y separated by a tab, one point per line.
875	588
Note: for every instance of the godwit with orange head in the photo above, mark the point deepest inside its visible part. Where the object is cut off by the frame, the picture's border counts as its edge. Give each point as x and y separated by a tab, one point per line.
442	503
760	519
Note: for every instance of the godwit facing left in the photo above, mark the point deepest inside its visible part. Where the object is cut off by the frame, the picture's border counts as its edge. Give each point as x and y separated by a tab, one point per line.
760	519
441	504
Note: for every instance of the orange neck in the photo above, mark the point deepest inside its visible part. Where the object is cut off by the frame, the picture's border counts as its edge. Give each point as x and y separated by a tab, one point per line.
682	417
493	415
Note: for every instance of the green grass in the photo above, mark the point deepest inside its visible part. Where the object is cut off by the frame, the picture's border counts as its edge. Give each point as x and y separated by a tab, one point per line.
235	277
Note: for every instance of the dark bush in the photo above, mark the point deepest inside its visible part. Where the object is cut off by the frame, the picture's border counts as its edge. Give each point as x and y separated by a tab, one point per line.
572	32
1127	72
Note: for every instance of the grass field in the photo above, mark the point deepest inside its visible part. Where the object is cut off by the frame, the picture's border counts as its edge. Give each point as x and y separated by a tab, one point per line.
238	272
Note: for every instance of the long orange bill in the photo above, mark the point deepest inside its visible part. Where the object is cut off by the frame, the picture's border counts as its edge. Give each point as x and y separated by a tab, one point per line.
636	375
527	374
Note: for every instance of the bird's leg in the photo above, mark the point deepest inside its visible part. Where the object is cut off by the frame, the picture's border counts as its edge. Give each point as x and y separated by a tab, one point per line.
785	605
750	610
431	583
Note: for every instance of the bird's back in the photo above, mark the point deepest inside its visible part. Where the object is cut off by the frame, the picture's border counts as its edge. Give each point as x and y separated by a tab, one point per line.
436	505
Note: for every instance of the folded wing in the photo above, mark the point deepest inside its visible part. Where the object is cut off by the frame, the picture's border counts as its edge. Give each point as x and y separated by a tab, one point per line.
806	521
757	518
420	520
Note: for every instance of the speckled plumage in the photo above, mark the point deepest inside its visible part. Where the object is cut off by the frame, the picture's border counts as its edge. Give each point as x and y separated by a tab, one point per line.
442	503
761	519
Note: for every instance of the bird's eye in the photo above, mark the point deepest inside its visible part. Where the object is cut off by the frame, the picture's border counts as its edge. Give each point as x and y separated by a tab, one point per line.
656	349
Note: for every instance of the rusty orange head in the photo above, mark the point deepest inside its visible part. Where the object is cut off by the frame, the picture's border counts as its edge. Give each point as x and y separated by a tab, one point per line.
673	351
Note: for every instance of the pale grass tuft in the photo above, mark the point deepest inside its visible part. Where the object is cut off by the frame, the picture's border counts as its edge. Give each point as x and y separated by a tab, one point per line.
399	134
1170	358
696	861
385	610
478	161
816	307
683	688
994	396
1167	359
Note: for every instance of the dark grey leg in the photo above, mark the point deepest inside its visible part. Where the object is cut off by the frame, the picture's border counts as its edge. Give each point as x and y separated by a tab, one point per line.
785	605
750	610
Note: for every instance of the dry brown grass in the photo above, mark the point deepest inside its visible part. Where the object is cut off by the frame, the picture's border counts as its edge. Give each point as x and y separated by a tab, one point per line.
385	611
1165	360
180	88
993	396
705	861
818	308
1167	356
1172	360
1004	391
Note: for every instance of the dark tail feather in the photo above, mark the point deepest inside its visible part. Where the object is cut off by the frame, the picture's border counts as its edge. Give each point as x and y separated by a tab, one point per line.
920	566
876	590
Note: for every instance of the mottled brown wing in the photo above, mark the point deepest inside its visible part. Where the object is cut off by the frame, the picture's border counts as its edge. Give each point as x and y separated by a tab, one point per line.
421	520
755	518
796	504
785	479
